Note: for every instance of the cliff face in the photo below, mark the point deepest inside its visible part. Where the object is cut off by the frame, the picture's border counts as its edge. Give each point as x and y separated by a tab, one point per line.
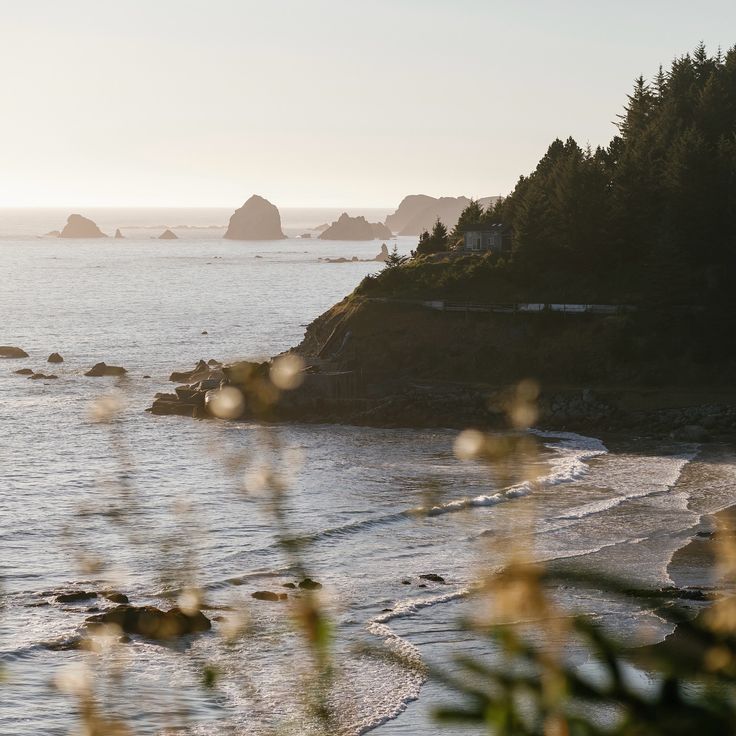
355	228
408	342
415	366
418	212
257	219
81	227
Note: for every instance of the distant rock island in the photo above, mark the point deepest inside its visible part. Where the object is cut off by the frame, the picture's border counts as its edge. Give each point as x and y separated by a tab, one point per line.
118	234
257	219
418	212
355	228
81	227
168	235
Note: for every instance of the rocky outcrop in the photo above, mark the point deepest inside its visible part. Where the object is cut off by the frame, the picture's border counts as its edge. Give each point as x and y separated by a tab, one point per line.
201	372
102	369
54	358
152	622
418	212
257	219
11	352
24	372
199	399
355	228
81	227
42	377
168	235
382	257
119	235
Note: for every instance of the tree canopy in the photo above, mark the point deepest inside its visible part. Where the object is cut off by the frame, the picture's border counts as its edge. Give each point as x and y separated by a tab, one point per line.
650	217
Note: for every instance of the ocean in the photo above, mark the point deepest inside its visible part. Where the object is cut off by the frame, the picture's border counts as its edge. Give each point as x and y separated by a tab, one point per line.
154	506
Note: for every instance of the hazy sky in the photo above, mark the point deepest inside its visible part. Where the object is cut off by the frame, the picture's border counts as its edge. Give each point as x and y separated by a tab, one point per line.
315	102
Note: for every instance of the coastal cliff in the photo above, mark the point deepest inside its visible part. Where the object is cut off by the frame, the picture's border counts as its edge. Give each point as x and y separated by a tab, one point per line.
418	365
419	212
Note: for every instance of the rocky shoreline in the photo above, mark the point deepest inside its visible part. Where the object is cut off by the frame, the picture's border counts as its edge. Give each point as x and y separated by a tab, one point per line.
372	363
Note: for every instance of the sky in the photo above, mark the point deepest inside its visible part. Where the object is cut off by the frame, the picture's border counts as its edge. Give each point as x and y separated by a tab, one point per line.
315	102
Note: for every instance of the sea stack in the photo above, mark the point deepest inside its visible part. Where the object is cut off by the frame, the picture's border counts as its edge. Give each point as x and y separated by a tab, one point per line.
355	228
383	255
81	227
257	219
119	235
168	235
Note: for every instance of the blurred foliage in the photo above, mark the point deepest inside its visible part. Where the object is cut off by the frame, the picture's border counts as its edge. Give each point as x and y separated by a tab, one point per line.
533	690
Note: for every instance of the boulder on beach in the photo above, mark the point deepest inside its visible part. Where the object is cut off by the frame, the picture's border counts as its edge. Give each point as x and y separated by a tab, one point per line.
168	235
81	227
54	358
11	352
355	228
257	219
102	369
119	235
152	622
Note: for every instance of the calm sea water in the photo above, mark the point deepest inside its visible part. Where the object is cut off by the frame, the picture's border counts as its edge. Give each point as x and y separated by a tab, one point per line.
161	500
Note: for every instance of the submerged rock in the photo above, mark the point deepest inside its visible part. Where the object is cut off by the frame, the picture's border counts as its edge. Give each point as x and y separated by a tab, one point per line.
42	376
54	358
257	219
309	584
12	352
152	622
102	369
168	235
81	227
267	595
433	577
115	596
75	596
